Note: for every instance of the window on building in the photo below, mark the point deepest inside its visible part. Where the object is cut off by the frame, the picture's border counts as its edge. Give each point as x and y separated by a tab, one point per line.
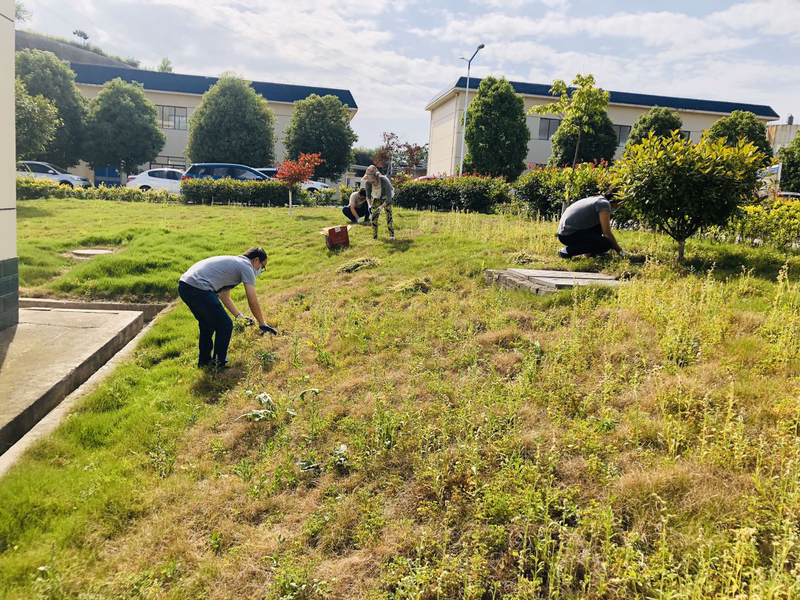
623	132
172	117
171	162
686	134
547	127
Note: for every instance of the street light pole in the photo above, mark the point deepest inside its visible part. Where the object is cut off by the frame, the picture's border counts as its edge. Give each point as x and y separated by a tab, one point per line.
466	104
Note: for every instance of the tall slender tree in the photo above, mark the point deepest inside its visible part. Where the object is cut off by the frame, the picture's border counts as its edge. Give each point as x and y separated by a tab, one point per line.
658	121
496	133
742	124
585	133
321	125
122	128
232	124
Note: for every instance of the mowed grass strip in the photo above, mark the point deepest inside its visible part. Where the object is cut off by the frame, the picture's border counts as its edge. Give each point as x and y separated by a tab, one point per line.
415	433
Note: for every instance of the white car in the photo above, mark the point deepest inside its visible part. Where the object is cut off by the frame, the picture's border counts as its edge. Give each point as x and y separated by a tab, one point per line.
43	170
157	179
314	186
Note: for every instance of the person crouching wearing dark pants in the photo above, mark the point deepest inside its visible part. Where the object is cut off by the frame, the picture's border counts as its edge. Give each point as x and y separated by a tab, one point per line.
207	286
358	207
585	227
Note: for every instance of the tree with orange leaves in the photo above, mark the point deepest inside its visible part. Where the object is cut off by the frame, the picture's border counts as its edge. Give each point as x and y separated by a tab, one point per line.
292	172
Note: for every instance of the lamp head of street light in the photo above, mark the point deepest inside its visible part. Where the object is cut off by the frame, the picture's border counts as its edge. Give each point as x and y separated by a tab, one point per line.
481	47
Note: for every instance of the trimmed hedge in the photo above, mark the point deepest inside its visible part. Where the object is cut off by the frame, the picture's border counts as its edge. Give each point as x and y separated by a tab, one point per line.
193	191
29	188
231	191
543	190
469	193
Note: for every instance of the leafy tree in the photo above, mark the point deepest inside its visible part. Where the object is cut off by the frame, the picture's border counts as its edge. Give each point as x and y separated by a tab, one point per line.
599	144
790	169
43	74
21	13
659	121
385	154
82	35
412	156
165	66
321	125
292	172
364	156
742	124
496	133
122	128
678	187
232	124
36	122
585	133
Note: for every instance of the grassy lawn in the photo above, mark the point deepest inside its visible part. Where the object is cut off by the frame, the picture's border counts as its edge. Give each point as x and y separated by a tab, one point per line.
413	433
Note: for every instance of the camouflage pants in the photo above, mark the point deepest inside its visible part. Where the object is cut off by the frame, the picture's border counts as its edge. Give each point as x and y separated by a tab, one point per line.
376	213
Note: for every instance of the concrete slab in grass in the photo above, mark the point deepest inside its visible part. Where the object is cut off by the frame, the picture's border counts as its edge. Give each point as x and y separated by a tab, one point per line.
540	281
49	354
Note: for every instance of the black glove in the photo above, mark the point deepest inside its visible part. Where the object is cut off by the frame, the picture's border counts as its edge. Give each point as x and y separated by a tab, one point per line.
267	329
247	320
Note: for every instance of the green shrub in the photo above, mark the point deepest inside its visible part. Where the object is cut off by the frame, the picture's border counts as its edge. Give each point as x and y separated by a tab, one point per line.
543	190
193	191
774	222
230	191
680	188
29	188
468	193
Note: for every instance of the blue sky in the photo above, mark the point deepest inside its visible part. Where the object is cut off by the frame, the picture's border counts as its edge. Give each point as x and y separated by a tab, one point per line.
394	55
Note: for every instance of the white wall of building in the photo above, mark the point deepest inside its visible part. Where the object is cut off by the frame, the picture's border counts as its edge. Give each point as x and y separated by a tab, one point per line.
446	124
9	292
177	139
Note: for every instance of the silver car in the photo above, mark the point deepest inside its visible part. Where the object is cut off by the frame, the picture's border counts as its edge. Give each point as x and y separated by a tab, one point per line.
43	170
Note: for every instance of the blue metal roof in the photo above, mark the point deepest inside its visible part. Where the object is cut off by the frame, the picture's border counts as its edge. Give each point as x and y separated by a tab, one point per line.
196	84
715	106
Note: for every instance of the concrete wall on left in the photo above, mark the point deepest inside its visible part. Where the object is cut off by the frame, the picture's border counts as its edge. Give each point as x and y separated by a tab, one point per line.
9	277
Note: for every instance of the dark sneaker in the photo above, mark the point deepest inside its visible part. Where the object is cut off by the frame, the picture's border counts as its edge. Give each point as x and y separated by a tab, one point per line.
563	254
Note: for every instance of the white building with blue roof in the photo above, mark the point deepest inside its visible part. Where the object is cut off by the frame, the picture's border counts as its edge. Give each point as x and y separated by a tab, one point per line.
446	108
177	95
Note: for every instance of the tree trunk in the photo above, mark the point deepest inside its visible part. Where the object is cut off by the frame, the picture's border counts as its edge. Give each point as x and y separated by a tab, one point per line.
290	202
681	245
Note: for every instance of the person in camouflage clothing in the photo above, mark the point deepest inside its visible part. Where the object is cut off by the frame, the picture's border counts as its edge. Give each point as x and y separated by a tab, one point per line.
379	193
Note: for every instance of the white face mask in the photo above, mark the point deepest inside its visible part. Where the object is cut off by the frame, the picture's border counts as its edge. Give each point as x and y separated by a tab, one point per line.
257	272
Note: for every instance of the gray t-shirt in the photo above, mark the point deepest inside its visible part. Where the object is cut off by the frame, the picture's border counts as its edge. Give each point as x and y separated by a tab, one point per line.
356	200
220	273
583	214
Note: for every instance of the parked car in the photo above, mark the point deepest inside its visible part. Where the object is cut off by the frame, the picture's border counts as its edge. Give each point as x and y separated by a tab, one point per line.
43	170
789	195
222	170
270	172
314	186
157	179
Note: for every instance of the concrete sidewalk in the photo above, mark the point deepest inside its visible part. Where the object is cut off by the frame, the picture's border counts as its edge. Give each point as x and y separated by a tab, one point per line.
49	354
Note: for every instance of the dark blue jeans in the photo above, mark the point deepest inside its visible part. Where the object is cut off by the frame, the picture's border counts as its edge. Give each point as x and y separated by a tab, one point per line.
212	318
361	211
586	241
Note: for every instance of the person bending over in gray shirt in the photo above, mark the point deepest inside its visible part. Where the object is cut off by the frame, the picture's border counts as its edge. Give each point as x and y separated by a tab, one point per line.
585	227
207	286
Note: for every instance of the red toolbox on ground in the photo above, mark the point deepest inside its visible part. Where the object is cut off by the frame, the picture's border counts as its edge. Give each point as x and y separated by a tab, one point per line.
336	237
